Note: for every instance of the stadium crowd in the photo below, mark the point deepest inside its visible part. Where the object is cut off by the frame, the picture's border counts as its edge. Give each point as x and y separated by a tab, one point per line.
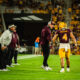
74	13
9	41
41	7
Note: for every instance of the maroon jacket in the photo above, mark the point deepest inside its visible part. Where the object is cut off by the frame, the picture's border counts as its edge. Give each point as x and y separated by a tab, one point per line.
14	41
45	35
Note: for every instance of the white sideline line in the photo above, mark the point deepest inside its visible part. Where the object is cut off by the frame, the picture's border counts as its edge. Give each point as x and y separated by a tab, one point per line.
27	56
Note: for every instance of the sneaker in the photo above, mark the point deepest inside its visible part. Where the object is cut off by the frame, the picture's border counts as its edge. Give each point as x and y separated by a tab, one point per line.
68	69
5	70
7	65
49	68
42	66
46	68
62	70
10	66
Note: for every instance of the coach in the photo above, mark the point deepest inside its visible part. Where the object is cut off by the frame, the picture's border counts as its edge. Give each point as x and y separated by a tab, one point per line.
12	49
5	40
45	39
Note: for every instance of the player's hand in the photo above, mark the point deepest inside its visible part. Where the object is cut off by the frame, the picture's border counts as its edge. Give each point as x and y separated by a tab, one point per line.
75	47
3	48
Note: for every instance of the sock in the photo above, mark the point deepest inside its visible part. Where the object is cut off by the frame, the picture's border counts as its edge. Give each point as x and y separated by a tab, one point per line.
62	68
68	66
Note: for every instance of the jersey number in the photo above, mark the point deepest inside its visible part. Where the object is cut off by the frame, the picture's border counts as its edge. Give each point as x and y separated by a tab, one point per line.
65	37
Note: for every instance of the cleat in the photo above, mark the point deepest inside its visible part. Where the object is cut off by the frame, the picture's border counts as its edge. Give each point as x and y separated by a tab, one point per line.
5	70
62	70
68	69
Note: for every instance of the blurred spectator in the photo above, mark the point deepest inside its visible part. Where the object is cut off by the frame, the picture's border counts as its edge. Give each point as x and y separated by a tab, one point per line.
12	48
37	51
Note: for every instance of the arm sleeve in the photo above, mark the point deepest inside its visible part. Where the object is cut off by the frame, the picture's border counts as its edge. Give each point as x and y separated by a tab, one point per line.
49	35
3	38
43	33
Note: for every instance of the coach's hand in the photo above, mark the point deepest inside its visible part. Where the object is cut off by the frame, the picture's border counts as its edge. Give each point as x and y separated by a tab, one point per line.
3	48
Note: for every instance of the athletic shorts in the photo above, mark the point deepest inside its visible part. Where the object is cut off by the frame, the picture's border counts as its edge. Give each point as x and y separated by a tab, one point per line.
37	50
64	50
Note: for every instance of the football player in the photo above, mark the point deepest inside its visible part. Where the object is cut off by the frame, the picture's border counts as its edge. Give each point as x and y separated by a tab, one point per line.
64	35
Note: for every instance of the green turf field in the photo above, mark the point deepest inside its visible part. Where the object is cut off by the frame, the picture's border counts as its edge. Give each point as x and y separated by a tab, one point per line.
30	69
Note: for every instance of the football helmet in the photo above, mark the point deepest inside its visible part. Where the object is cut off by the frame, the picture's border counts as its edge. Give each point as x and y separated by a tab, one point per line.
62	25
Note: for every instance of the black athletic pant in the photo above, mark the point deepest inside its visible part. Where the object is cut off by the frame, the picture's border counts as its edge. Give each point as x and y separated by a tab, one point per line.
10	55
46	50
15	56
3	58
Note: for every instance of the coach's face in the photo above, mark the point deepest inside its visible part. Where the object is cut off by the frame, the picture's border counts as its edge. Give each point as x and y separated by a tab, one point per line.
13	28
51	26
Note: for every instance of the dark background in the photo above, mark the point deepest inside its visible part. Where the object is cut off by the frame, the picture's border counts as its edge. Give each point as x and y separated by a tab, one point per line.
27	30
